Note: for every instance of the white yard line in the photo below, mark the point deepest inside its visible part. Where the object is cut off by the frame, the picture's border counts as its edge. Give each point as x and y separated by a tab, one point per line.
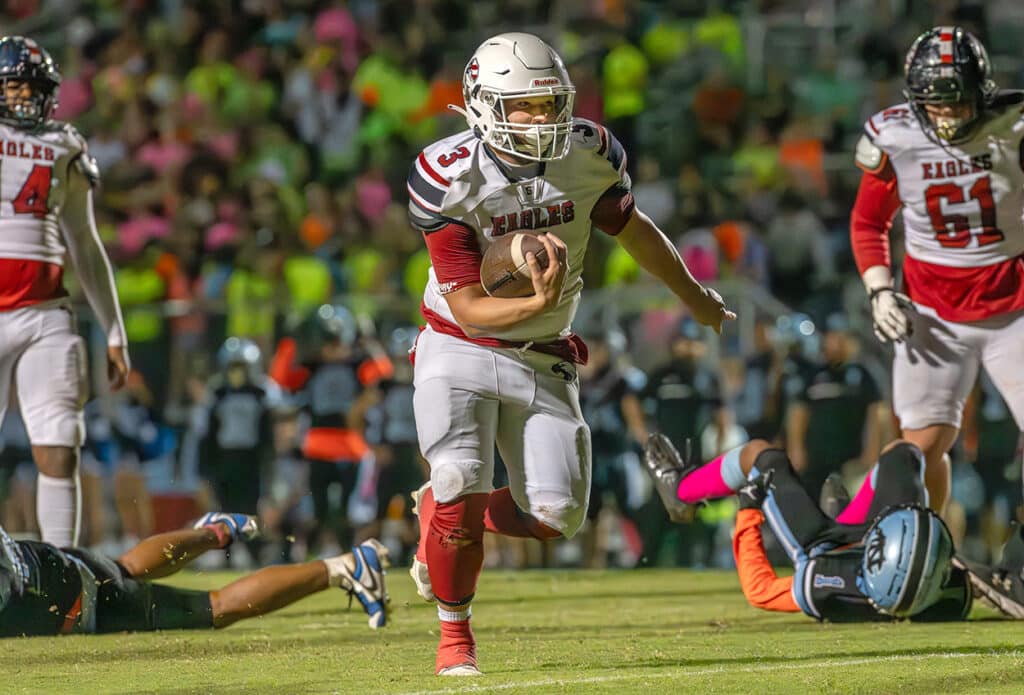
682	673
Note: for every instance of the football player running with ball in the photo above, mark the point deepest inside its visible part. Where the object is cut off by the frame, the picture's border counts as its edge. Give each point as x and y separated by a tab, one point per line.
495	371
952	159
46	214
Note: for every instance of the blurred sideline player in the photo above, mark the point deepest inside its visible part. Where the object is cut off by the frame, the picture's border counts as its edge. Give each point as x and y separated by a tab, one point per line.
951	159
332	376
45	590
885	556
492	371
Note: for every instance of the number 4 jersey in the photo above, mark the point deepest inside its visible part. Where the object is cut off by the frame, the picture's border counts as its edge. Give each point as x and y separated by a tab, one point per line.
35	169
963	207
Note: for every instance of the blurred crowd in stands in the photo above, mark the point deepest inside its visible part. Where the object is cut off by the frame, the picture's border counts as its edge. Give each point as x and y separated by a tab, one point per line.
254	156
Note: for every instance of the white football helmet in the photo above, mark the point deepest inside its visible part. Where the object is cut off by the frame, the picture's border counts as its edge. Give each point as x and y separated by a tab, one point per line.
517	65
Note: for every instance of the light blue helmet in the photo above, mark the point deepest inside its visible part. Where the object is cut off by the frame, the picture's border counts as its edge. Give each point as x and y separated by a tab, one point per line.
907	554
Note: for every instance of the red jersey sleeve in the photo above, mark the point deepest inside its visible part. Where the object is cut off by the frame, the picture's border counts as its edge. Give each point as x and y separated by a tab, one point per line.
761	587
877	202
613	209
456	256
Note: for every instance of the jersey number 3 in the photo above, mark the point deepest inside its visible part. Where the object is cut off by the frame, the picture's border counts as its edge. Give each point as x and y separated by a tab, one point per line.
953	230
35	192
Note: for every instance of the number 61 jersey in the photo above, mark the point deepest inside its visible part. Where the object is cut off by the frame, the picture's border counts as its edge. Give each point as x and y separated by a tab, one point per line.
35	168
963	209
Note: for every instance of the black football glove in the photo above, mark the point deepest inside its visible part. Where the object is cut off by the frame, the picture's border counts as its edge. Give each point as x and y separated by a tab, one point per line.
753	492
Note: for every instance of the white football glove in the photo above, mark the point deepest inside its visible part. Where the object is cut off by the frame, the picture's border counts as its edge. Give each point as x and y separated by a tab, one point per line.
889	312
889	308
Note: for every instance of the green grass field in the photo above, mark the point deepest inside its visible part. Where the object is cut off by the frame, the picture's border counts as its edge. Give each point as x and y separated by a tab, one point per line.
665	631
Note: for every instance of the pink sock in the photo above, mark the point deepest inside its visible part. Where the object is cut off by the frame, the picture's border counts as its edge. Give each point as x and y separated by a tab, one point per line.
856	511
704	483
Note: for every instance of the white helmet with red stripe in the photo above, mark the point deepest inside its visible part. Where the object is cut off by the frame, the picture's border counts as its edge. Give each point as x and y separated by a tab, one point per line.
514	65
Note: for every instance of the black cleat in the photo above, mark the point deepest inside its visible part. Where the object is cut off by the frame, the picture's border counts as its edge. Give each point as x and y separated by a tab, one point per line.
834	496
667	467
998	588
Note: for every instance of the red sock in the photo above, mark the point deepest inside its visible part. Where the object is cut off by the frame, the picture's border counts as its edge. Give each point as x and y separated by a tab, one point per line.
455	548
424	511
457	646
506	519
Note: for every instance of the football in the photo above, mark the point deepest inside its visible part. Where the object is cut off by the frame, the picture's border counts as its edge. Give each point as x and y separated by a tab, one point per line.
504	271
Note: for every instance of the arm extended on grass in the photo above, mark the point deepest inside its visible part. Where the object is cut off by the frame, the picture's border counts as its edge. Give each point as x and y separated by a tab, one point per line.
761	587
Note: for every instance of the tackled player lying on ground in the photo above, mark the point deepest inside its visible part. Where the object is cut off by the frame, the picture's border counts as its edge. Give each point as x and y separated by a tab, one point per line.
45	590
885	555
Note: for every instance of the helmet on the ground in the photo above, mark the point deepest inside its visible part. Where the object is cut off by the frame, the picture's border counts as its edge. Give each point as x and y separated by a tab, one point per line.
520	65
907	554
24	61
948	65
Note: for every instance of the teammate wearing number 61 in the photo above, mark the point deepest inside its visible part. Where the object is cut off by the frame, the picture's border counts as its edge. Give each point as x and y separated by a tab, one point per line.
952	158
46	216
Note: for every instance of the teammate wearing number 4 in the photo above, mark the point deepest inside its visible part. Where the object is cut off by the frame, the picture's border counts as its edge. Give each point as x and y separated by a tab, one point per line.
952	159
492	371
46	214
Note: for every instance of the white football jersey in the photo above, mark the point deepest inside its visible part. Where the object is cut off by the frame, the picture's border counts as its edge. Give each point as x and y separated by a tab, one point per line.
34	173
963	204
459	179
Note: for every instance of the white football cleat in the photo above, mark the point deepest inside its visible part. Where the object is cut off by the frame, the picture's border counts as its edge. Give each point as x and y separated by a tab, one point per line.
366	582
460	670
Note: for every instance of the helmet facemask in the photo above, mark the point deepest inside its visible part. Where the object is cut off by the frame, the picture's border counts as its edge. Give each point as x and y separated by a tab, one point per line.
510	67
537	142
26	67
948	66
26	111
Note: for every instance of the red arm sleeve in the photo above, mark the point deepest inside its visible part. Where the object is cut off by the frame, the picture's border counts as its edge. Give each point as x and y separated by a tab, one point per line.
878	200
455	255
762	588
283	370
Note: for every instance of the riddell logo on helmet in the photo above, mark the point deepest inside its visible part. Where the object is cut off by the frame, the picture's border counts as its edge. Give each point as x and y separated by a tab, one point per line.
473	70
545	82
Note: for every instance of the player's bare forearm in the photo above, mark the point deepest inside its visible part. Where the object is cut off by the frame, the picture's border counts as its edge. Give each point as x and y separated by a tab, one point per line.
478	314
633	414
656	254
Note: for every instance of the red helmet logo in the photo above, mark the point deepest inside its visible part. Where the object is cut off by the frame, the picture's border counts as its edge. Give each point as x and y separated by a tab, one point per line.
473	70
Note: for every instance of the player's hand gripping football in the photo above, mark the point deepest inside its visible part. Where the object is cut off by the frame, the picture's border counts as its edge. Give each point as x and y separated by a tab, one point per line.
709	310
548	282
117	367
889	313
